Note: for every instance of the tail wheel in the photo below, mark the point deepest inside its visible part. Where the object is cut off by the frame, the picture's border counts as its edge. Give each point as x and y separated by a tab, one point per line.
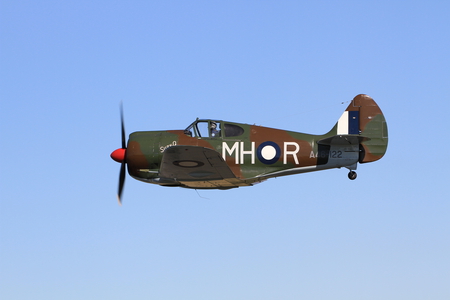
352	175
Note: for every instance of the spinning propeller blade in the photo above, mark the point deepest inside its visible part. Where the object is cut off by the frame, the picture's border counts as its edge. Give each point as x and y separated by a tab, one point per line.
119	155
123	127
121	182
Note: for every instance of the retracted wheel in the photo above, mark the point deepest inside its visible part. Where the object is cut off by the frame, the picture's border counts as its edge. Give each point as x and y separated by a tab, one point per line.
352	175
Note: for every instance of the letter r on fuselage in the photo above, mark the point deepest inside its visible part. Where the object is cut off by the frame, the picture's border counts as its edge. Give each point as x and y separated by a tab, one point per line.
290	152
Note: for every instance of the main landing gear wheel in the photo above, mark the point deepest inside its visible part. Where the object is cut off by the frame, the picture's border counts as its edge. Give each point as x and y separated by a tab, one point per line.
352	175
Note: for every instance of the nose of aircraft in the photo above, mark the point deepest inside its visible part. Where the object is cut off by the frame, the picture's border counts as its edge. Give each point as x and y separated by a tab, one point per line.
119	155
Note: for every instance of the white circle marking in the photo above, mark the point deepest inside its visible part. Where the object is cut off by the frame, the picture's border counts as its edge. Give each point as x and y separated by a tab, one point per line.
268	152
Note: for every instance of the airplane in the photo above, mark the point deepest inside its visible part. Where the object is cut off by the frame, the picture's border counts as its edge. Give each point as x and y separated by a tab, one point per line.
216	154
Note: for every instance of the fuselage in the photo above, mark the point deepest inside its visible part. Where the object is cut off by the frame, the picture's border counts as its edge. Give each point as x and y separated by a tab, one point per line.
251	152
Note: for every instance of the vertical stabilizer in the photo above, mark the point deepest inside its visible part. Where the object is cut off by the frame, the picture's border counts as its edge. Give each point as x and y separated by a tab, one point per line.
364	118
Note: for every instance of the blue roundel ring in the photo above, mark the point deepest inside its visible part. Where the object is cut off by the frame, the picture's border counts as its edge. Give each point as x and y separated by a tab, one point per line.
268	153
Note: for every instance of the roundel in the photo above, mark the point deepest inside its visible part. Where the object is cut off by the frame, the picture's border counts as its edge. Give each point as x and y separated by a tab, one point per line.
268	153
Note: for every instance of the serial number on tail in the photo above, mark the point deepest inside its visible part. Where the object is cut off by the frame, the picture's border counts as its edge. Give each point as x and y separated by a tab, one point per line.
324	154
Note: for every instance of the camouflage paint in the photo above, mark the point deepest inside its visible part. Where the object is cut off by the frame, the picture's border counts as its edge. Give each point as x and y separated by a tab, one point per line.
259	153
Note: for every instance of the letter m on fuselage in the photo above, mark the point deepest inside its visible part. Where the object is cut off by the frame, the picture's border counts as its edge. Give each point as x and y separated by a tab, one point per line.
234	148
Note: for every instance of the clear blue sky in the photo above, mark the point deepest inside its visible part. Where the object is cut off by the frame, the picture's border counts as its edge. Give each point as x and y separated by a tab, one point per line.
66	65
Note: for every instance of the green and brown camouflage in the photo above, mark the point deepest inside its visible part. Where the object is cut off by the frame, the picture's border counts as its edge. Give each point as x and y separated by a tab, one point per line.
216	154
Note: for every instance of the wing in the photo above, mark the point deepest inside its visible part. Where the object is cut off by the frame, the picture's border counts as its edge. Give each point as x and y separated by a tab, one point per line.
197	167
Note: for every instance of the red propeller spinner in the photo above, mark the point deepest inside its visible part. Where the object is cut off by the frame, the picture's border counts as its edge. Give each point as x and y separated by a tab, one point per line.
119	155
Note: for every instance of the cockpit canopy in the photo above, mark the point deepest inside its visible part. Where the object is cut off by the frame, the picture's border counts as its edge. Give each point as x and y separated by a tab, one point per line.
213	129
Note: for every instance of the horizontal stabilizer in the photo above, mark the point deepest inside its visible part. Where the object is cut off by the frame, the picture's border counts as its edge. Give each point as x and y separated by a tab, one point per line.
343	140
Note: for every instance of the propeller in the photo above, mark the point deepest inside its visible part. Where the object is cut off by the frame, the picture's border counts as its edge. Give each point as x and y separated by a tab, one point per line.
119	155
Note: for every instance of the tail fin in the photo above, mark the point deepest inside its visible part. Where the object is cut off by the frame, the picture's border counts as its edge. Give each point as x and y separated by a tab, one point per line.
364	118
